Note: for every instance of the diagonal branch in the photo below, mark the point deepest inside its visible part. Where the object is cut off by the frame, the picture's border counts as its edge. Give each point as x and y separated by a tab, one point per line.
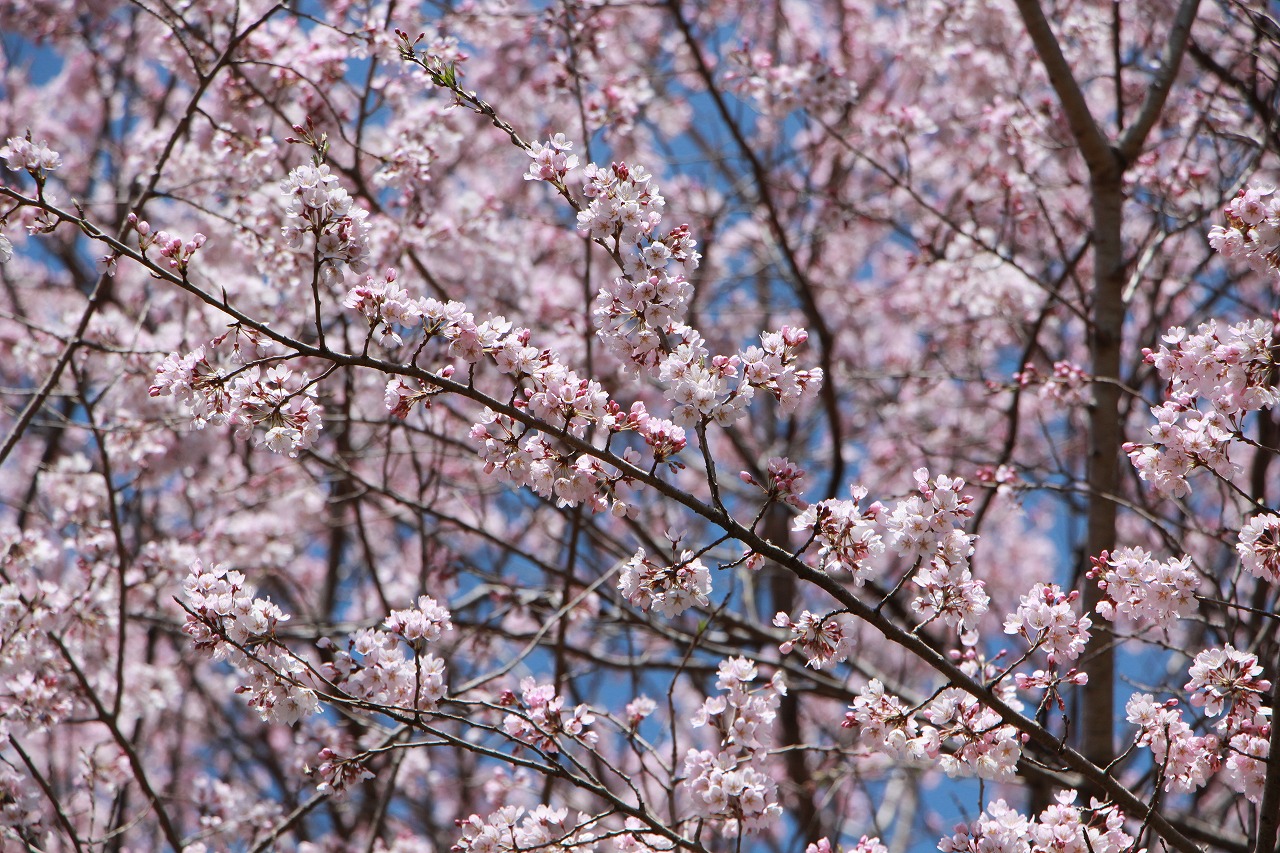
1092	774
1098	153
1175	48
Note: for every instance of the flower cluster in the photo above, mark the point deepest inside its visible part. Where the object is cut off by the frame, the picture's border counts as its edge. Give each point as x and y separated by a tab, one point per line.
510	829
919	523
846	535
1245	770
196	383
1229	369
339	773
624	205
864	845
1259	547
1062	827
386	306
983	745
527	457
171	248
1223	679
327	211
226	621
1068	384
821	638
551	392
23	807
1185	438
725	787
731	784
702	387
542	720
786	482
246	397
664	437
374	668
1141	589
634	316
1252	231
772	367
1046	619
552	161
948	589
886	724
400	397
35	688
669	589
1187	759
425	623
639	314
1227	675
20	154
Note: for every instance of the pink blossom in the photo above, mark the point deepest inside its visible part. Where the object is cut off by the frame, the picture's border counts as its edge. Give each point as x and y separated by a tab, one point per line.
1227	675
1252	231
822	639
1259	547
551	162
671	590
848	537
21	153
1047	620
1141	589
544	723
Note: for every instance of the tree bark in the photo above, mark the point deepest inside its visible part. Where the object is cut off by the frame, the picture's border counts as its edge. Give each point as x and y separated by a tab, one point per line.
1107	164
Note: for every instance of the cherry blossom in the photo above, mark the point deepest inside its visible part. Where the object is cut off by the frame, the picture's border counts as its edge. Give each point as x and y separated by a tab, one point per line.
227	622
729	784
669	589
822	639
1252	231
848	537
1141	589
1227	369
948	590
1245	767
21	153
512	829
1259	547
551	162
340	228
1186	760
1219	676
1062	826
244	396
372	405
1047	620
543	722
